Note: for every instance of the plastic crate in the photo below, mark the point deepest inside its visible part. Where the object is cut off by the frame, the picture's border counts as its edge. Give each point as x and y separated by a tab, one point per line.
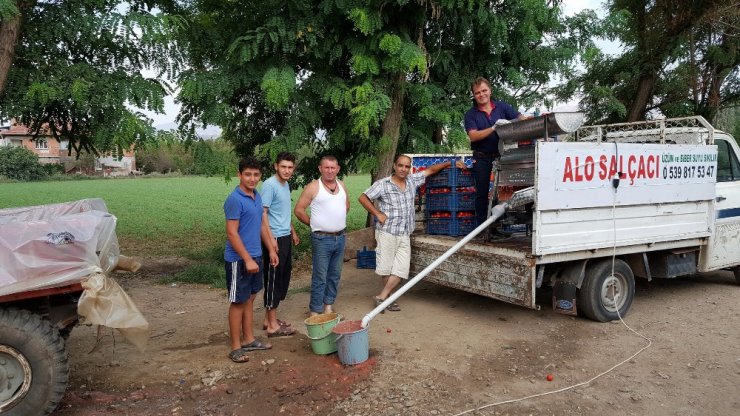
453	201
365	258
450	226
451	177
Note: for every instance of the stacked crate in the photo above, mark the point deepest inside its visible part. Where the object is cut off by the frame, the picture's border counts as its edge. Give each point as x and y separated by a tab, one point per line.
450	202
365	258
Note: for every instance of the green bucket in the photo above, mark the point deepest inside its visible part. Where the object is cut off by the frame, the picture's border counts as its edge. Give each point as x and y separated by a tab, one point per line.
319	327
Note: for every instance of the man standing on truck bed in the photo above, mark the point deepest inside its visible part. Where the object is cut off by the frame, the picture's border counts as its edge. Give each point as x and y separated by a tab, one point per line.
395	197
480	123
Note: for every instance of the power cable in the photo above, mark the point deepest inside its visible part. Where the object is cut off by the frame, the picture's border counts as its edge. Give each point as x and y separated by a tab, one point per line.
615	185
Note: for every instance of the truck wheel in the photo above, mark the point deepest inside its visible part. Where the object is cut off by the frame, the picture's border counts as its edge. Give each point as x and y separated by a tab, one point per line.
601	294
33	364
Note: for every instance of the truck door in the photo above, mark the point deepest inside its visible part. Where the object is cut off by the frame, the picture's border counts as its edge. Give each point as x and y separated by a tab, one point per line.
723	249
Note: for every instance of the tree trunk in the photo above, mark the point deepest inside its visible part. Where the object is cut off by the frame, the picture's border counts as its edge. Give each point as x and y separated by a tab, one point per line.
438	135
391	128
10	31
644	93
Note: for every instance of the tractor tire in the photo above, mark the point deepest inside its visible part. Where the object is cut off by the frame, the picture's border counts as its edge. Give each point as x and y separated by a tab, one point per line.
33	364
602	294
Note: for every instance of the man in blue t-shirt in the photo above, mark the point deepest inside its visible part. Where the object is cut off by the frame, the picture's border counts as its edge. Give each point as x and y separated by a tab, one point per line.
480	123
242	257
277	204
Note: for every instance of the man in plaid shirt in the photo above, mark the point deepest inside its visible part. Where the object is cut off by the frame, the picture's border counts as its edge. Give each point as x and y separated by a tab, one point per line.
394	196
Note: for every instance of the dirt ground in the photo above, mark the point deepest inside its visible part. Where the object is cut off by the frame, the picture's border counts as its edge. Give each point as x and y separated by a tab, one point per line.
446	352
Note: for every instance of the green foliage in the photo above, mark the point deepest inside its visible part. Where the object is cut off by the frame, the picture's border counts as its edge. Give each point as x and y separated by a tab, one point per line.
78	67
277	85
390	43
364	79
19	163
679	59
8	9
169	152
365	21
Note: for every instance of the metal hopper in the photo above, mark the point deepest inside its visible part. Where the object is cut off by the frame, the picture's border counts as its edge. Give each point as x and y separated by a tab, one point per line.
538	127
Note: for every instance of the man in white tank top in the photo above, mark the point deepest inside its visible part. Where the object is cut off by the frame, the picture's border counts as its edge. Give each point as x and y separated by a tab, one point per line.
329	202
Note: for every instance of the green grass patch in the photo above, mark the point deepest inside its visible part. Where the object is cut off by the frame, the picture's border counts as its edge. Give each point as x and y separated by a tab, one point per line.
166	216
210	273
303	289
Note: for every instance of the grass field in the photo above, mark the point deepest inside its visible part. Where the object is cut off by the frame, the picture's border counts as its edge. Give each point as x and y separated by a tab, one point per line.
166	216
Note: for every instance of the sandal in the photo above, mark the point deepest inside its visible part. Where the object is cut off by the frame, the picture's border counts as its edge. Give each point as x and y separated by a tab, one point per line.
377	302
393	307
256	345
280	322
239	356
284	331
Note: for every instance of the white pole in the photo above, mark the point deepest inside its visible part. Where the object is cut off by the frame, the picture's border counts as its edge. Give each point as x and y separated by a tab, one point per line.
496	212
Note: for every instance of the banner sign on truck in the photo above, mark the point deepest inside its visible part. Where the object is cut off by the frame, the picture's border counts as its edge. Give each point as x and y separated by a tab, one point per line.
579	175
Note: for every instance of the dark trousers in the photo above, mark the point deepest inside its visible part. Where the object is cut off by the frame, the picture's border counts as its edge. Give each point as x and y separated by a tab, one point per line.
482	167
277	279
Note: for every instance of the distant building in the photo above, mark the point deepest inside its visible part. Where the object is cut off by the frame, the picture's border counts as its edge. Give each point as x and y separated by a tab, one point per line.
51	151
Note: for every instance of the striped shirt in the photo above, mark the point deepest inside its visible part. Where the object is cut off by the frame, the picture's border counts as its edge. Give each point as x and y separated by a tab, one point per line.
395	203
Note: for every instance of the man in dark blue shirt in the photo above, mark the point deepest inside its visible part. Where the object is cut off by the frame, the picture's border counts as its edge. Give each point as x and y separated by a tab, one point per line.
480	123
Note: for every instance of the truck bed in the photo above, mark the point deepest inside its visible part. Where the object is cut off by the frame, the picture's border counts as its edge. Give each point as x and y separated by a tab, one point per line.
503	270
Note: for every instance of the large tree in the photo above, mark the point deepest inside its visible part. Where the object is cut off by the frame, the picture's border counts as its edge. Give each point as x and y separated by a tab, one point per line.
364	79
74	67
680	58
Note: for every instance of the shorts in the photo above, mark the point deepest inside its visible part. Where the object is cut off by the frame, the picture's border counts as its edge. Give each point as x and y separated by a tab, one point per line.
393	254
242	285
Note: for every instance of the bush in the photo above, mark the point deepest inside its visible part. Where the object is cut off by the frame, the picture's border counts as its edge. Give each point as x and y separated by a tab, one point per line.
20	164
53	169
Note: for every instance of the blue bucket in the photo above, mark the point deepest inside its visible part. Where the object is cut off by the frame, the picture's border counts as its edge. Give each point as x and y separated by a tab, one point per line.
353	344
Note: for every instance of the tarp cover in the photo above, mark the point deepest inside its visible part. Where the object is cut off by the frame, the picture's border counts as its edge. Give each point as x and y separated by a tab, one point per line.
54	245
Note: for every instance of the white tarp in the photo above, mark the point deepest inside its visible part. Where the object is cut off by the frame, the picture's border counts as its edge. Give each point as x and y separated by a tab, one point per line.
51	245
54	245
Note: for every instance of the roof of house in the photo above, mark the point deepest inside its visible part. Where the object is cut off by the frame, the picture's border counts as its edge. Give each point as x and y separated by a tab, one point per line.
17	129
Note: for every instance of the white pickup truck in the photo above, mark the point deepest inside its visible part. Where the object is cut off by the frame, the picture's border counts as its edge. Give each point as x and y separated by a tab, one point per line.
674	211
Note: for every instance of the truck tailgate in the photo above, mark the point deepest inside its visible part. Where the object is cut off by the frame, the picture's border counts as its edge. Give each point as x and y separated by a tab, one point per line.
504	270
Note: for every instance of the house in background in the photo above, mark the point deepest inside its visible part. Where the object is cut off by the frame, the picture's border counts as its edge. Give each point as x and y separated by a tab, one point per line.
51	151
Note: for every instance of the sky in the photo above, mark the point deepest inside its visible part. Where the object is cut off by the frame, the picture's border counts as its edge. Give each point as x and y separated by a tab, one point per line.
167	120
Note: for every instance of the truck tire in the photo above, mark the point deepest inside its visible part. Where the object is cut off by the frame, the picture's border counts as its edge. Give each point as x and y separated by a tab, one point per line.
596	298
736	270
33	364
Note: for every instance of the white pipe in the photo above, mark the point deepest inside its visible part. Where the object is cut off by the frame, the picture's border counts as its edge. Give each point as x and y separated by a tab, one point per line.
496	212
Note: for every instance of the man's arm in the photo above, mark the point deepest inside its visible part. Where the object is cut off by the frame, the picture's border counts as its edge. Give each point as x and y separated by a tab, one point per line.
370	207
269	241
435	169
232	234
346	194
266	227
478	135
294	235
308	194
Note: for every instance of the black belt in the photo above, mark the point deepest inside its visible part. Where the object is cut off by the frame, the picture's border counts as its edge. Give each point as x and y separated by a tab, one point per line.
340	232
478	154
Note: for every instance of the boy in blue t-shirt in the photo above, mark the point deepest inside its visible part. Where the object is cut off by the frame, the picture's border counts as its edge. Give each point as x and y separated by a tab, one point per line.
243	256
